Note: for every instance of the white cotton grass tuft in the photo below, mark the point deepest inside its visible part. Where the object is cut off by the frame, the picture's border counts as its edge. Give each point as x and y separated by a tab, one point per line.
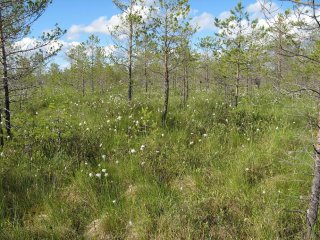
132	151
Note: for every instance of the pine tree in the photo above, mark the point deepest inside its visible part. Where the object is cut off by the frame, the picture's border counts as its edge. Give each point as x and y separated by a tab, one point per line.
125	35
16	19
170	27
234	38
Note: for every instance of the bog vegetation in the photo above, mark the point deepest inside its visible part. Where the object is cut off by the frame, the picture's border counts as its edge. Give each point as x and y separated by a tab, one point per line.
167	136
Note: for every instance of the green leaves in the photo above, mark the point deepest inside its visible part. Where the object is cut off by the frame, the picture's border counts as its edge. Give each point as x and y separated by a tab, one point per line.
17	19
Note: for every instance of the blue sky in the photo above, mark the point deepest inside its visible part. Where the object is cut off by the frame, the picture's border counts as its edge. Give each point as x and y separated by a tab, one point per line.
84	17
83	12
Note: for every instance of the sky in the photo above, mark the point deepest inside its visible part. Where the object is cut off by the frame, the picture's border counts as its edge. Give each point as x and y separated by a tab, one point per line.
82	18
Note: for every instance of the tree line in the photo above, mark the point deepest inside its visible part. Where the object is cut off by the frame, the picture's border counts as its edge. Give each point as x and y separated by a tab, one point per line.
154	47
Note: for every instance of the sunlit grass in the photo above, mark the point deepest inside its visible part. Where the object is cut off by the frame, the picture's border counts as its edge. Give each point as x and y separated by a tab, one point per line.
100	168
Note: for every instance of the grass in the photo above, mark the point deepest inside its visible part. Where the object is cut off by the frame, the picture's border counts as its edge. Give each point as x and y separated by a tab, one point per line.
77	168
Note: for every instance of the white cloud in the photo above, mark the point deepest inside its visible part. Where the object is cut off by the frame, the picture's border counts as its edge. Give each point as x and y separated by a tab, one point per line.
205	21
109	49
30	43
101	25
70	44
224	15
26	43
255	9
194	11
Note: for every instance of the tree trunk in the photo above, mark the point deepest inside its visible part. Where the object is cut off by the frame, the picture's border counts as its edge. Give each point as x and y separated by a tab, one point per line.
237	85
130	60
207	76
248	80
279	63
166	91
184	86
5	80
92	78
312	213
166	73
20	101
145	73
187	83
1	130
225	93
83	85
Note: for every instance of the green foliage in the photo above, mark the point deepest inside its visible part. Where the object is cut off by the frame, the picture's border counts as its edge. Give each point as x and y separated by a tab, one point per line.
93	166
96	166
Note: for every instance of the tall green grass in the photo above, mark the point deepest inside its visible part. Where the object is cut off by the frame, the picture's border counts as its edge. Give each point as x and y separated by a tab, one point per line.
100	168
